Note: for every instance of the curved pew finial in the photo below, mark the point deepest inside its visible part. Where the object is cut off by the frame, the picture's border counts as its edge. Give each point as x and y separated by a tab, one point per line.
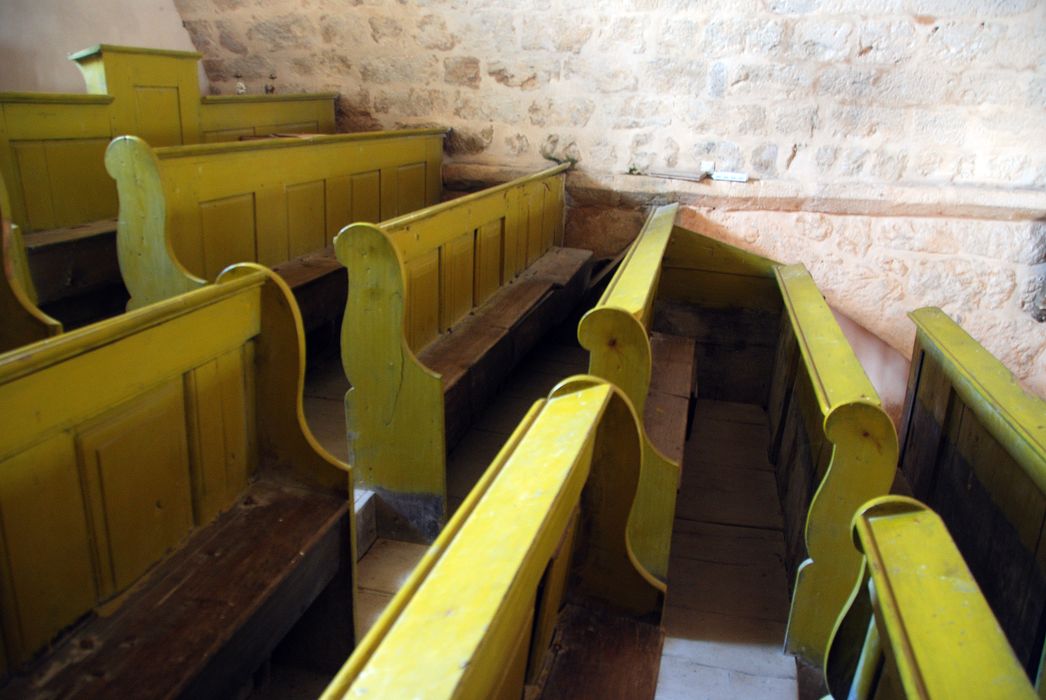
150	269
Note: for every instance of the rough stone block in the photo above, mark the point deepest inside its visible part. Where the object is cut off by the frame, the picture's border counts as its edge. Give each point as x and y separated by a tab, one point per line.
462	71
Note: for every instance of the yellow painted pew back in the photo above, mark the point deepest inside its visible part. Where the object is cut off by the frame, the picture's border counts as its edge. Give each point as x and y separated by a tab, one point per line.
121	437
187	212
765	335
52	146
461	625
974	449
616	334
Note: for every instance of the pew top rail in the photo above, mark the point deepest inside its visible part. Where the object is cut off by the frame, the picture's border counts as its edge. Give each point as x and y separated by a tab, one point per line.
454	626
187	212
862	463
933	632
1013	416
23	321
213	419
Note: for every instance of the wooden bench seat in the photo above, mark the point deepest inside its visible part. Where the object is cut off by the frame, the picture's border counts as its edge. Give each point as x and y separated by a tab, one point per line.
442	304
166	513
197	624
673	388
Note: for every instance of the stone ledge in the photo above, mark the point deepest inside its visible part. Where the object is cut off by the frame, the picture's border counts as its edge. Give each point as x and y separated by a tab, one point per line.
633	191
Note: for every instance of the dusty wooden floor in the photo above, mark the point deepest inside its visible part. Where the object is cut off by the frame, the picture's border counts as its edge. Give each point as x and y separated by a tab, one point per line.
728	599
727	592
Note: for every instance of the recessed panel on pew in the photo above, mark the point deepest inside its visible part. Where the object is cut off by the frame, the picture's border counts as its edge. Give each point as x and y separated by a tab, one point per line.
536	559
974	449
442	304
166	514
186	212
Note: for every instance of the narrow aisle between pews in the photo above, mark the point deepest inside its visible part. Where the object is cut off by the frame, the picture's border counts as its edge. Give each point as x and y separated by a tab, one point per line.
727	590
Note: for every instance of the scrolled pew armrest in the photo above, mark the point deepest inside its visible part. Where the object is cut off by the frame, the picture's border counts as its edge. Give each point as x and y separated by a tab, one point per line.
917	604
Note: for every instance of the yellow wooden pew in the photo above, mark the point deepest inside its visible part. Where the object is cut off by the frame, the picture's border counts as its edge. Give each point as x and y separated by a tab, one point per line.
655	372
52	145
186	212
766	336
22	321
974	450
442	303
166	513
918	626
547	521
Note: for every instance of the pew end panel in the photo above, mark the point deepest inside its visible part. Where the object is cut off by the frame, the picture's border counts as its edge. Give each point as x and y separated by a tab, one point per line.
443	303
394	408
135	507
23	321
578	449
917	625
850	456
974	450
616	334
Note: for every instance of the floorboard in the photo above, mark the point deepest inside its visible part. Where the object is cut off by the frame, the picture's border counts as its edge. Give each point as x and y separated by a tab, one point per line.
727	592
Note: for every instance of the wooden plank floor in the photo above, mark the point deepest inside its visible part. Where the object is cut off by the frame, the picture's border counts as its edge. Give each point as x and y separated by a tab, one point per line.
727	593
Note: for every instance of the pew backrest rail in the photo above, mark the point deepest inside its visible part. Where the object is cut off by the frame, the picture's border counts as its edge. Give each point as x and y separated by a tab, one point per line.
462	624
52	146
616	334
413	278
918	626
856	460
974	449
187	212
122	437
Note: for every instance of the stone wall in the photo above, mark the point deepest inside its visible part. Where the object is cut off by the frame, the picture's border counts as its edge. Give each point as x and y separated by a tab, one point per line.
863	90
898	147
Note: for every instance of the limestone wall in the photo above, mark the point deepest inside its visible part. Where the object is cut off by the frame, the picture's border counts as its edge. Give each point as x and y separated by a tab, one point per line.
867	90
898	146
